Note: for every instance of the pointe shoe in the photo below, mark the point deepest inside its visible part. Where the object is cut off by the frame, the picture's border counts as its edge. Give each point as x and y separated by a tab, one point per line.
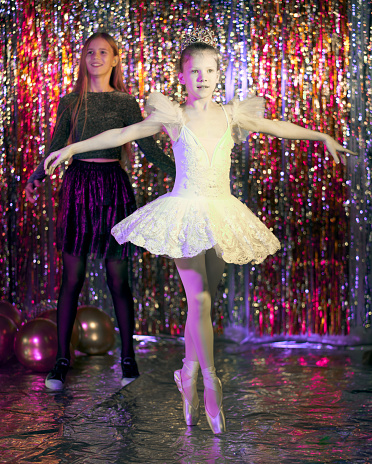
190	412
210	380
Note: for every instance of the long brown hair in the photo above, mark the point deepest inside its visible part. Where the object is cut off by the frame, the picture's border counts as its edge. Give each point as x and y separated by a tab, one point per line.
82	84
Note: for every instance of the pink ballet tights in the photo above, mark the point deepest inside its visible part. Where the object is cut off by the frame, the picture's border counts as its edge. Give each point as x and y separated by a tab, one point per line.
199	275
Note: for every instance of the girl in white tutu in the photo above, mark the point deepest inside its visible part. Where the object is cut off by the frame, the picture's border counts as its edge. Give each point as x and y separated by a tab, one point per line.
199	223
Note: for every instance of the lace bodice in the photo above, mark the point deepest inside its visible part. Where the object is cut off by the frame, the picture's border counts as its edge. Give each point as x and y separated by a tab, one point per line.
196	173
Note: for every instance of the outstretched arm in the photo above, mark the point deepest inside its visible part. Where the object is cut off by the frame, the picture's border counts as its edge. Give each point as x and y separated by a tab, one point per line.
109	139
288	130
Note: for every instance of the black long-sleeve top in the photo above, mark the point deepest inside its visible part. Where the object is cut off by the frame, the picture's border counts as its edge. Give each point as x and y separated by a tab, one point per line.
105	110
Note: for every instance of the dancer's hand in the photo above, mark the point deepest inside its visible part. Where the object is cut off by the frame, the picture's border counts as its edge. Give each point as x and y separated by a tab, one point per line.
56	158
333	147
30	191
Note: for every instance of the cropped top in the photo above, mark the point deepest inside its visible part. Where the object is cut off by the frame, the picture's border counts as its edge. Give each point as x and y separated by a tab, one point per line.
104	110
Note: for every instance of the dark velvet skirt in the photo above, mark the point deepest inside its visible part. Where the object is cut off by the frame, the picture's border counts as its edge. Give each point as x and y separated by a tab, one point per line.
92	199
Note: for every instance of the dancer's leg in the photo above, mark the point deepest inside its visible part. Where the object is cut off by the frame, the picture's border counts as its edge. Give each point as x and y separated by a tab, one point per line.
194	278
193	274
117	281
214	268
73	276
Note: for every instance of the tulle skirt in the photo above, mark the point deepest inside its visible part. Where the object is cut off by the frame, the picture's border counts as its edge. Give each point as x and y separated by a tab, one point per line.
92	199
182	227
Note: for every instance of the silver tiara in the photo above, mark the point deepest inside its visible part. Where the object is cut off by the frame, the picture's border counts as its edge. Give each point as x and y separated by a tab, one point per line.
198	35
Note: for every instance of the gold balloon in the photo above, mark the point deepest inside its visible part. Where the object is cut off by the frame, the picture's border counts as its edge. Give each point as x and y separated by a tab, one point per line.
35	345
97	331
8	310
51	314
8	330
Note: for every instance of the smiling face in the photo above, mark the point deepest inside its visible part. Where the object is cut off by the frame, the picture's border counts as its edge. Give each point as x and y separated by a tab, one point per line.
100	58
200	74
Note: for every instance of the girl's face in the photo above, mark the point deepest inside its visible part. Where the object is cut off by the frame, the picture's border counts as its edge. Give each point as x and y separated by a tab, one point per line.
200	75
100	58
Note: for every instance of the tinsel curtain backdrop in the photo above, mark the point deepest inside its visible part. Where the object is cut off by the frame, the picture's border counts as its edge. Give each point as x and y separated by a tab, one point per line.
312	62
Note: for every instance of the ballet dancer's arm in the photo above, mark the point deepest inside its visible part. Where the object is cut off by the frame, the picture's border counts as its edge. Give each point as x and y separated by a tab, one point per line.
288	130
108	139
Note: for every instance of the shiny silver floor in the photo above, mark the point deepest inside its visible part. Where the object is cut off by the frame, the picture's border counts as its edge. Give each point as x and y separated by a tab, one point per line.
284	404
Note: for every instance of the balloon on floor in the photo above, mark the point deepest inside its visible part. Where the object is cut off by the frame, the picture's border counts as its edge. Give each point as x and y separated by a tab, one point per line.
8	329
35	345
98	332
8	310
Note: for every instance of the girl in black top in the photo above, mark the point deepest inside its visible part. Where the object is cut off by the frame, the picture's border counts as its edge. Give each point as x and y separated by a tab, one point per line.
95	195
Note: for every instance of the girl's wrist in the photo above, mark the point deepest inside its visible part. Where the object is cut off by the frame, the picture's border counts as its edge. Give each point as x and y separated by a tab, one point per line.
71	151
324	137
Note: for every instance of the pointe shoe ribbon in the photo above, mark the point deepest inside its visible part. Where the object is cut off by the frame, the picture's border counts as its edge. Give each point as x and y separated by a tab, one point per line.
210	380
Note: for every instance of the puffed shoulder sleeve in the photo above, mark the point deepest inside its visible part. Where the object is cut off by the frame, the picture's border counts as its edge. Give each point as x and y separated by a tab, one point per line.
165	111
243	115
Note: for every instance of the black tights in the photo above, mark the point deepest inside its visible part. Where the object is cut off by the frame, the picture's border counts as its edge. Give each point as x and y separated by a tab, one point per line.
72	281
